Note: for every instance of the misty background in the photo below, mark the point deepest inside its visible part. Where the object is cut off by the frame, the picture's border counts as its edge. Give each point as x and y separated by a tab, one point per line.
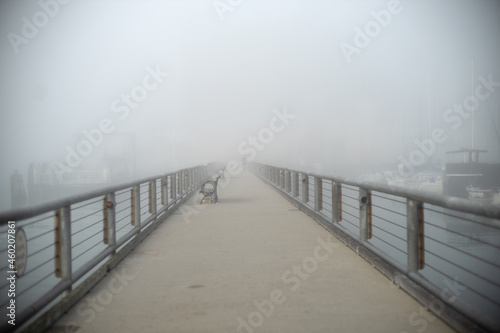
227	76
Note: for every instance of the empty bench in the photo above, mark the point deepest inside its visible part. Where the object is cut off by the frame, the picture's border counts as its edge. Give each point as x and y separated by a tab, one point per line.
209	190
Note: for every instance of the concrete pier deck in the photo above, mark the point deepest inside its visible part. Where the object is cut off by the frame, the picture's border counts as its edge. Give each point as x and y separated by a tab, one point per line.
250	263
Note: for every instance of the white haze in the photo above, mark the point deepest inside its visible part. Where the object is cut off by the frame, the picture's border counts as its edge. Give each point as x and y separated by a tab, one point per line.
226	77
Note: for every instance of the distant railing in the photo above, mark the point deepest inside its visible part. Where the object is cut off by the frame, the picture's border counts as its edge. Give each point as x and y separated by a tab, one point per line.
71	238
450	247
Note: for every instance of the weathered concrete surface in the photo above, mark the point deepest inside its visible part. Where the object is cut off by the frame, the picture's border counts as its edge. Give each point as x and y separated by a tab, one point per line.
205	271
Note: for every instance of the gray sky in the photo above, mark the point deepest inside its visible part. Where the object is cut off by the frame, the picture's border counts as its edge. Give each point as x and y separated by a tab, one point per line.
226	77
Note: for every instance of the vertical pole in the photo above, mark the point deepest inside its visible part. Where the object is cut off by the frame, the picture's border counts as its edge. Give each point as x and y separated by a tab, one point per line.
179	182
318	194
173	190
109	220
305	188
152	197
63	243
295	184
135	205
415	235
164	191
185	181
290	182
336	202
429	104
109	225
285	181
472	94
365	214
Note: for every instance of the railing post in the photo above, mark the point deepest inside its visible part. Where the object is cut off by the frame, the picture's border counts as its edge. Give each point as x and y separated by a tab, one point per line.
135	205
288	181
63	244
184	181
318	194
415	235
173	189
164	191
295	184
336	202
109	220
305	188
152	197
365	214
179	183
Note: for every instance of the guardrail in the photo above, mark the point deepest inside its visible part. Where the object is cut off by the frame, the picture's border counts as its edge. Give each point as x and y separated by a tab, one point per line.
60	243
449	247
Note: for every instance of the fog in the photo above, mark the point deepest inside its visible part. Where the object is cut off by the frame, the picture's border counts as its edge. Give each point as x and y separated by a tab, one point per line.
211	74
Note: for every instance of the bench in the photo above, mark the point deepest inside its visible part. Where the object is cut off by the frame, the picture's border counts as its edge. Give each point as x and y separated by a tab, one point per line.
209	190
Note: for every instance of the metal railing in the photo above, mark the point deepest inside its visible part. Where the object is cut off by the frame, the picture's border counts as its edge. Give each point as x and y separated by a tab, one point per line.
84	236
449	247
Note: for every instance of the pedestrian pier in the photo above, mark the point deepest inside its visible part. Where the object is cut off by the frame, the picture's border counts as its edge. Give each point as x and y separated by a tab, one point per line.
270	256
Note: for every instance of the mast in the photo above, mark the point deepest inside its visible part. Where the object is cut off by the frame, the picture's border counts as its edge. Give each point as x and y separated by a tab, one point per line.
438	121
429	104
472	94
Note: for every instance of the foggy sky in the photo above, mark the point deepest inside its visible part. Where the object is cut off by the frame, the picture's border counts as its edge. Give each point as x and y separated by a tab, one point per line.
227	76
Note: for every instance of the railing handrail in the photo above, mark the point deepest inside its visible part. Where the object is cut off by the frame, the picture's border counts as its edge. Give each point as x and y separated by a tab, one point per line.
489	210
173	193
37	209
363	231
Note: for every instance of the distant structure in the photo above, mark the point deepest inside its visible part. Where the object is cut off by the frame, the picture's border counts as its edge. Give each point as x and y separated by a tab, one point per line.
471	177
17	190
113	161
